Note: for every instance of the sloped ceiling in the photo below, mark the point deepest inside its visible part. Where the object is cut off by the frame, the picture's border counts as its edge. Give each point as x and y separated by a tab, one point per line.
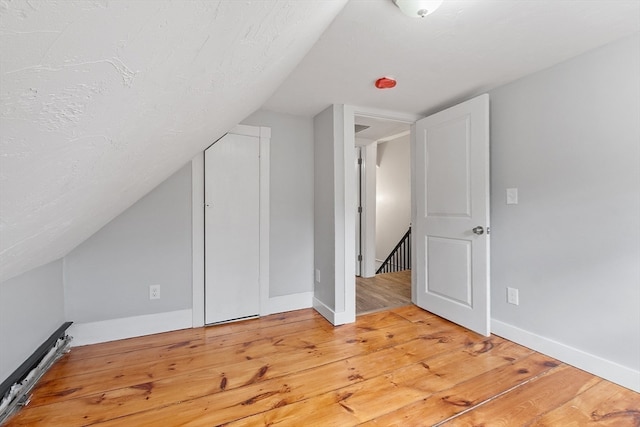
465	48
102	100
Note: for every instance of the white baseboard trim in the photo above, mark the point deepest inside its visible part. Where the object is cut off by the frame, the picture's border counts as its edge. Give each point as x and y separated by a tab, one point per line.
129	327
336	319
596	365
284	303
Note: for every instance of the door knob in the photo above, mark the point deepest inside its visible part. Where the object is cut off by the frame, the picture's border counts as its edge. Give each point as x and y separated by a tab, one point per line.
478	230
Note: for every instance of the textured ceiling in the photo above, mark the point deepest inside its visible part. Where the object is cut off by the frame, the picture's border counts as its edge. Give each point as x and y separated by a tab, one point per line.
103	100
463	49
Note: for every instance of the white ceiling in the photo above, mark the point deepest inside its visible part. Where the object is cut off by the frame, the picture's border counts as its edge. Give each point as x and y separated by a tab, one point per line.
463	49
380	128
103	100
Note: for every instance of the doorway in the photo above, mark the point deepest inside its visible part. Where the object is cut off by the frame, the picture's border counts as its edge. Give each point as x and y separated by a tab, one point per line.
383	211
450	208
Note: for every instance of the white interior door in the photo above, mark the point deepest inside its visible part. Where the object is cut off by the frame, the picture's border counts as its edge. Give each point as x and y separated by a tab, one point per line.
452	214
232	228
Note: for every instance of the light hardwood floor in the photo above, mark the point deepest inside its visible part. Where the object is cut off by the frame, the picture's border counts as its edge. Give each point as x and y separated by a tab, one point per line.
403	367
383	291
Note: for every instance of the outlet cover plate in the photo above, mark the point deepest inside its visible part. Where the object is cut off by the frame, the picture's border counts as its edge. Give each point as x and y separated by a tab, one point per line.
154	292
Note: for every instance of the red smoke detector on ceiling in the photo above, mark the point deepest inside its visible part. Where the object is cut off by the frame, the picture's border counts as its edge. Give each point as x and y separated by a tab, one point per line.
385	83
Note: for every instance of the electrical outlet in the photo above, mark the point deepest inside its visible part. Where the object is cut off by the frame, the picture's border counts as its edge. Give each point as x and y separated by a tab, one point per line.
154	292
512	296
317	275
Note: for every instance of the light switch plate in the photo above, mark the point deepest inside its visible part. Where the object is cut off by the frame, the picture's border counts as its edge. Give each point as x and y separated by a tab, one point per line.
512	196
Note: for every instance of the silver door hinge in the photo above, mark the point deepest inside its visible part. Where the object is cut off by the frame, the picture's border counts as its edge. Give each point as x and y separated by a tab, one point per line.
359	209
359	161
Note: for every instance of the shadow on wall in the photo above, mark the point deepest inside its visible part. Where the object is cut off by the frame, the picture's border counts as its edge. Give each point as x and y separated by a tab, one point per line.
393	195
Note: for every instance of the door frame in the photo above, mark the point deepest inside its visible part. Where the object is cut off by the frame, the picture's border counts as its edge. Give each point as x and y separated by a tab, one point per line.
198	231
368	203
350	199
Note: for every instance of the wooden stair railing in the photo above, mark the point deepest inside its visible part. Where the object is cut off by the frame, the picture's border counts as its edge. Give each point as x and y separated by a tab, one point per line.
400	257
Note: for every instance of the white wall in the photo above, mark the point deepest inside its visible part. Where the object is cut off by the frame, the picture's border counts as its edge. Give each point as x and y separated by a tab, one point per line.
108	275
324	208
569	139
393	195
334	207
31	309
291	201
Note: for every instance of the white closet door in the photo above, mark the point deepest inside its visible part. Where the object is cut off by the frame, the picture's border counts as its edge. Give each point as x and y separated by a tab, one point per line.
232	228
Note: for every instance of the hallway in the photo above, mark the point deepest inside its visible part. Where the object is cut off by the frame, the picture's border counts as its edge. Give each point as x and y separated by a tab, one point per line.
383	291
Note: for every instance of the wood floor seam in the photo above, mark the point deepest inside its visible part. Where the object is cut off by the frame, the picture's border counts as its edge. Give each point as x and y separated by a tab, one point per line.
492	398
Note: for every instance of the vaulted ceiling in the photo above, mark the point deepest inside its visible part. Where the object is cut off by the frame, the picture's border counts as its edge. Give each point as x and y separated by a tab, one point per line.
102	100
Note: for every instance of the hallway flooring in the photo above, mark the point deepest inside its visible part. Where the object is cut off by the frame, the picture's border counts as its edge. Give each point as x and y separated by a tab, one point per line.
383	291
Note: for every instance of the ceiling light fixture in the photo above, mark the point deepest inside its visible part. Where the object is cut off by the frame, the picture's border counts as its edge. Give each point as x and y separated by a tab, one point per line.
418	8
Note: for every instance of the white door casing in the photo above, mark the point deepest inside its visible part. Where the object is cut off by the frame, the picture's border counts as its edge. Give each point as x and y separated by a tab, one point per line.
368	249
451	200
359	212
234	239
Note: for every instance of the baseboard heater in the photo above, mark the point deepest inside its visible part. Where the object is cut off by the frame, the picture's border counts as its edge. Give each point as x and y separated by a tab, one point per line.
15	389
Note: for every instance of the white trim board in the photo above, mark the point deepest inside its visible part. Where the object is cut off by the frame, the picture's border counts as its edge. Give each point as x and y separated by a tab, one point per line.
596	365
334	318
264	134
345	190
392	116
129	327
284	303
197	238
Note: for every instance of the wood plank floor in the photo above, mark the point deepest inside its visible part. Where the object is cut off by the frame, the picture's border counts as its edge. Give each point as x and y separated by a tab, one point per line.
402	367
383	291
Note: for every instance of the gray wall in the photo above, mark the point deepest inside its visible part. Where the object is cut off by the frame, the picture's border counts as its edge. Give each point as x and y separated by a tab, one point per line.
108	276
393	190
569	139
31	309
324	207
291	201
